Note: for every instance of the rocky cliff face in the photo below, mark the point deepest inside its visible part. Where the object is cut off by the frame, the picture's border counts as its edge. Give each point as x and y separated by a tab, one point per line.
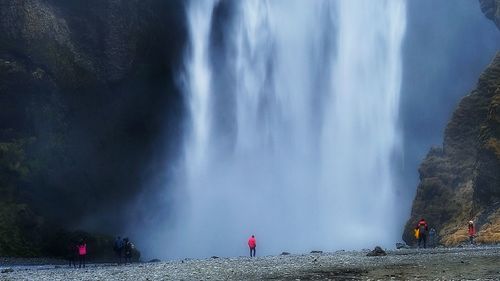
460	181
86	89
491	8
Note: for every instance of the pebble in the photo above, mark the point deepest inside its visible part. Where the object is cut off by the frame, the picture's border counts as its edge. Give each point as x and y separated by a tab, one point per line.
336	266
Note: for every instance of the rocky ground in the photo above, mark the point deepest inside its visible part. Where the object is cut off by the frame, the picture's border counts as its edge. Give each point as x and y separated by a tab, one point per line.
475	263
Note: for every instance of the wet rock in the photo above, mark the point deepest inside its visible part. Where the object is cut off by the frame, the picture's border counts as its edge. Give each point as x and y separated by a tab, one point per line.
316	252
63	54
377	252
285	253
7	270
402	246
155	260
491	9
214	257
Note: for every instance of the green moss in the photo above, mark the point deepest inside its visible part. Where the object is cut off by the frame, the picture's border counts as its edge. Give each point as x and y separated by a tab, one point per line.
13	168
19	226
18	231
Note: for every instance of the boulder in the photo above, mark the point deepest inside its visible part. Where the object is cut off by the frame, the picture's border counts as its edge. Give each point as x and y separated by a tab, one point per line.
377	252
402	246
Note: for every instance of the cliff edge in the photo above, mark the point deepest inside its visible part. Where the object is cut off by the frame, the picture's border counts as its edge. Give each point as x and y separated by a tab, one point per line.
460	181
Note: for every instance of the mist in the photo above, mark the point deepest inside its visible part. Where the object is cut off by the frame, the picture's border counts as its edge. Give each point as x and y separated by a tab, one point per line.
310	126
270	145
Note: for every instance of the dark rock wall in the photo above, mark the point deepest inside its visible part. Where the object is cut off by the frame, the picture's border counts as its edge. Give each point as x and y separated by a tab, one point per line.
451	178
491	9
461	181
87	98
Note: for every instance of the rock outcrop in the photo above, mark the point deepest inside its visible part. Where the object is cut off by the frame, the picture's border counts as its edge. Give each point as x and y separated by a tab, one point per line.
460	181
86	89
491	8
378	251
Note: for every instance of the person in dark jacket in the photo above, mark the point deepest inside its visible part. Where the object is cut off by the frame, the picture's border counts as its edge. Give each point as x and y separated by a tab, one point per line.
118	248
127	250
422	228
432	239
71	253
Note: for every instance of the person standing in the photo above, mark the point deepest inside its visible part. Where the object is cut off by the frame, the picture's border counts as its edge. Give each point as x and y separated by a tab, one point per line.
118	248
71	251
422	228
127	250
432	238
472	232
82	253
252	244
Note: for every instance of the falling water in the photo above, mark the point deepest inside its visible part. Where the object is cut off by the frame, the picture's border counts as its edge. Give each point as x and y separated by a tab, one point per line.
293	124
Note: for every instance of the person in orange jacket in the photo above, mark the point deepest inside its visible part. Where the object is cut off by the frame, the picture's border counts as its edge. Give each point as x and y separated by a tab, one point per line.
472	232
422	232
252	244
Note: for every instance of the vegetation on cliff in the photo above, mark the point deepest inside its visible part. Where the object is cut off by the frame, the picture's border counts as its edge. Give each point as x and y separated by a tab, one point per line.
461	181
86	87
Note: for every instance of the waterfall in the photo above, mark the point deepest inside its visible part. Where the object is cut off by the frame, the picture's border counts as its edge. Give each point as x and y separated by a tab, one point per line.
293	124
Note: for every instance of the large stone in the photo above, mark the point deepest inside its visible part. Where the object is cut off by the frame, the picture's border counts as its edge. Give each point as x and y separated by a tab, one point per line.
402	246
378	251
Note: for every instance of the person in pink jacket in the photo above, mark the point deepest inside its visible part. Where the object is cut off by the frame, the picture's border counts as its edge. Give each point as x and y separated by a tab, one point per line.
252	244
82	252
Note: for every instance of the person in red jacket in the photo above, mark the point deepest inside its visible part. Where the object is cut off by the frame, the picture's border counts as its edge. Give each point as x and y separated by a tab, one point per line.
252	244
82	252
472	232
422	232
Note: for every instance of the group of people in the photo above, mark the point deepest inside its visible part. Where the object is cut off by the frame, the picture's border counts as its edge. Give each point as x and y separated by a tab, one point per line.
422	232
77	251
123	248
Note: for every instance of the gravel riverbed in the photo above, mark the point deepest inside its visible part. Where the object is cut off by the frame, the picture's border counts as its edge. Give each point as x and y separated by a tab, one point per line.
478	263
